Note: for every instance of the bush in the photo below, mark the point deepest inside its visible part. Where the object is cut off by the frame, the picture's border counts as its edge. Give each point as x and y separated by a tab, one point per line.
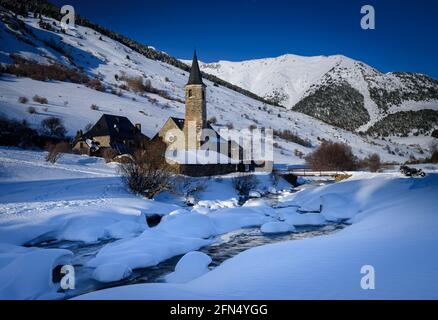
372	162
188	187
288	135
15	133
244	183
95	84
23	100
32	69
40	100
31	110
94	107
55	151
53	127
332	156
109	154
146	173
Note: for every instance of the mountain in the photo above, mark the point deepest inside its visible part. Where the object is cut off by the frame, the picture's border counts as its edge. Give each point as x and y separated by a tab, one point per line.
81	73
338	90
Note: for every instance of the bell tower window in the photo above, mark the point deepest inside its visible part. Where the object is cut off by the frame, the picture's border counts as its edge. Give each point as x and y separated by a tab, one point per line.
190	93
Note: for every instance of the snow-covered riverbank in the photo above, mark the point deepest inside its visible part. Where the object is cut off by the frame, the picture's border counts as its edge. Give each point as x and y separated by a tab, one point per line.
394	229
81	199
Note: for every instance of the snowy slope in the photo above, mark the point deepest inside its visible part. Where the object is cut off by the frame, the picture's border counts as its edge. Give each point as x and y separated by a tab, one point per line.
288	79
104	58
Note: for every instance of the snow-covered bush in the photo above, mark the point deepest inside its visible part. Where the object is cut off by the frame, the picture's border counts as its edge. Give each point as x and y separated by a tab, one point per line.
188	187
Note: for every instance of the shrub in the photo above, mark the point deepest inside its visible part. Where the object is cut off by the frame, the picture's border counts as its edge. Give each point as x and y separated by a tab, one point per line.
109	154
55	151
188	187
94	107
40	100
331	156
95	84
17	133
244	183
31	110
41	72
146	173
288	135
53	127
372	162
23	100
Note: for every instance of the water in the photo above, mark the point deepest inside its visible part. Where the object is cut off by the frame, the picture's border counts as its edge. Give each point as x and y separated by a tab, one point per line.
224	247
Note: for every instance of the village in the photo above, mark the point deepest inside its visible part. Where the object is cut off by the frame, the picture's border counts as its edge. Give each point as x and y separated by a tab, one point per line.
134	173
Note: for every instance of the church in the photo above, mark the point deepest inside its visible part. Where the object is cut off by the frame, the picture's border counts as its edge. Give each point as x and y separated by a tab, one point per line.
191	146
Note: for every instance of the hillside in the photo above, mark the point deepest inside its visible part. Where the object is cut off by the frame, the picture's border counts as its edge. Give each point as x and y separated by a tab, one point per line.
335	89
98	67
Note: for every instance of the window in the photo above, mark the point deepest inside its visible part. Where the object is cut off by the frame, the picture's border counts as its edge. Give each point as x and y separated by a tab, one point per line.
190	93
81	145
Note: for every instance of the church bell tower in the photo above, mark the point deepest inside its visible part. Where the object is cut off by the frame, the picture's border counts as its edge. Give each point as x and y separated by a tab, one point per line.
196	105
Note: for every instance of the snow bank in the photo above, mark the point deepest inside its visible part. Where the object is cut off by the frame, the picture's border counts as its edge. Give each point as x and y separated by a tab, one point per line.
276	227
111	272
294	218
188	225
394	231
146	250
26	273
191	266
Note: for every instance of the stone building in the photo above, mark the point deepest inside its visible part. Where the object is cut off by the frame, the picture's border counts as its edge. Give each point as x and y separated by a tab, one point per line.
110	131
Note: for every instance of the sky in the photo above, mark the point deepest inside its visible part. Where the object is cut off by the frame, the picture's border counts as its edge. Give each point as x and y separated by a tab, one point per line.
405	36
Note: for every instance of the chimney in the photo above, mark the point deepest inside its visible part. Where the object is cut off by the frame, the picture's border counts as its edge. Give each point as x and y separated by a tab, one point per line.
138	127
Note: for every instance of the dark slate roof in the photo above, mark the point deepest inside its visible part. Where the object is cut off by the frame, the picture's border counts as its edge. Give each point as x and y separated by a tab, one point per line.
179	122
195	72
114	126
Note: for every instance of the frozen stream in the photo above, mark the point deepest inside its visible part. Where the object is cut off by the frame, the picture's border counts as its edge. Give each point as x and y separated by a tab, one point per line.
225	247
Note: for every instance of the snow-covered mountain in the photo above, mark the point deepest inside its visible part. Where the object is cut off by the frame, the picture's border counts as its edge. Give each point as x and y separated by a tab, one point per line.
106	61
336	89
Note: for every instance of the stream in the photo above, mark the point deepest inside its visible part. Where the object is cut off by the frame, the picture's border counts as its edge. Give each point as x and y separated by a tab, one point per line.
224	247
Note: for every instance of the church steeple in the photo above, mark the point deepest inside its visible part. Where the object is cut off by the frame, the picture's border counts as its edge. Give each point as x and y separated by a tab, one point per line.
195	72
196	103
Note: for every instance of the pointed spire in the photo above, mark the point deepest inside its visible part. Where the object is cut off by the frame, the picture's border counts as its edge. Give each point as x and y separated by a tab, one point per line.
195	72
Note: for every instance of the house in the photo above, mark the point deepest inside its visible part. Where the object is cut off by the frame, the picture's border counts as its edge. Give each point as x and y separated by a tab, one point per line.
191	146
110	131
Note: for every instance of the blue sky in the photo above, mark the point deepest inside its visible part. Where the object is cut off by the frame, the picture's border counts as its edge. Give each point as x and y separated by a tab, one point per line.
405	38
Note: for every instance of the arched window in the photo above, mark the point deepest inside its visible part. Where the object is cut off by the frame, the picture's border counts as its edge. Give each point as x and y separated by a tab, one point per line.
190	93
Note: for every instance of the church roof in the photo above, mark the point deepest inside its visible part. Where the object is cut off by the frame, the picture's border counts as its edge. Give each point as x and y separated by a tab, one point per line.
195	72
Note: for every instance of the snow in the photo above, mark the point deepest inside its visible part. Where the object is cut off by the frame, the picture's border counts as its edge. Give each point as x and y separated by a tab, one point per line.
294	218
111	272
394	230
26	273
276	227
191	266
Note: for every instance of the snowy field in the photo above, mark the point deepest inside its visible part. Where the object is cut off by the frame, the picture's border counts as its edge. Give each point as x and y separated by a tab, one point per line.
81	199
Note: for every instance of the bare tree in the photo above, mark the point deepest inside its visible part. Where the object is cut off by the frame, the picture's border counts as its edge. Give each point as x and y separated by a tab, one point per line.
146	173
55	151
53	127
373	162
332	156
